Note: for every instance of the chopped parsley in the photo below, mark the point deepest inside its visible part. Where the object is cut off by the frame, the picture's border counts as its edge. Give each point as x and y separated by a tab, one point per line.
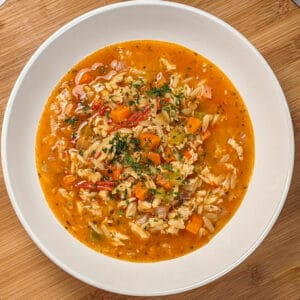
135	144
107	114
120	144
160	91
138	84
168	167
71	121
131	102
130	162
153	191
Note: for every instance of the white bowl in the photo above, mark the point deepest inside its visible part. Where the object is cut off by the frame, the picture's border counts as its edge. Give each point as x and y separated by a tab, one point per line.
253	78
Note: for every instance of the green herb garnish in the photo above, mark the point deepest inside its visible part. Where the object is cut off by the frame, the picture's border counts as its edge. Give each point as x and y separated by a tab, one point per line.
71	121
159	92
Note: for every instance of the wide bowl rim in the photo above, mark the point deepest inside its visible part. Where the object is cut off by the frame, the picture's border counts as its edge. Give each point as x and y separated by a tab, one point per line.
7	116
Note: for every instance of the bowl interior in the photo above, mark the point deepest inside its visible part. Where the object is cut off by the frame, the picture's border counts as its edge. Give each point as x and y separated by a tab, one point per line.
254	80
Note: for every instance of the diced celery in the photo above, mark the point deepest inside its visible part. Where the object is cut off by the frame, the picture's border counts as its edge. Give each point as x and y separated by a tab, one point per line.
176	136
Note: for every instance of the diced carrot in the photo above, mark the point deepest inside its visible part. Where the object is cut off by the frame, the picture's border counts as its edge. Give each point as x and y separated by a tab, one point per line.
154	157
140	191
194	224
149	140
169	156
163	182
133	120
193	124
187	154
205	135
85	78
68	180
120	113
116	173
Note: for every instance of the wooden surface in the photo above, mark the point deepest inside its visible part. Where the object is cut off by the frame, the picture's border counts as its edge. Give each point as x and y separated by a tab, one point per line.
273	270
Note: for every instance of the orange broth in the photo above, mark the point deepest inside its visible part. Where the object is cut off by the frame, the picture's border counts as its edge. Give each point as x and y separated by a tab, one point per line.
53	156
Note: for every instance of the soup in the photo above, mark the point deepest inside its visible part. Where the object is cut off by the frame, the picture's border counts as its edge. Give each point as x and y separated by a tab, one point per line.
144	150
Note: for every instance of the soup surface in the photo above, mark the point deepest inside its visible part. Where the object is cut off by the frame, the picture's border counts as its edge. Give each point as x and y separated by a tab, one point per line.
144	150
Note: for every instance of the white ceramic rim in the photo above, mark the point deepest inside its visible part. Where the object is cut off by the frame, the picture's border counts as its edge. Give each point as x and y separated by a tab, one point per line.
4	145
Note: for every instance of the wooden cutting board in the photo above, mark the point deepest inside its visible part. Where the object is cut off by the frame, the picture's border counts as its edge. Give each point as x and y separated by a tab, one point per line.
273	270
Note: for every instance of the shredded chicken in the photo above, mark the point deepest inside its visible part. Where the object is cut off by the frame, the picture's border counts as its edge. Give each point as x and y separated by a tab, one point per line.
238	148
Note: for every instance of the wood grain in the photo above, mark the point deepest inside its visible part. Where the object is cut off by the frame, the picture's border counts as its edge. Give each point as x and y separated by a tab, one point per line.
273	270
